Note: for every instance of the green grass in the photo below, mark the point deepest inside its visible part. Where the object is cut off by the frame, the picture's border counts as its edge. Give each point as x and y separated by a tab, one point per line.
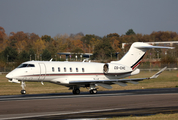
151	117
168	79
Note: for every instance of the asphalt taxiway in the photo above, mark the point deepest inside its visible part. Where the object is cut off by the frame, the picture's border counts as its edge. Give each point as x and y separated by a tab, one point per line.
103	104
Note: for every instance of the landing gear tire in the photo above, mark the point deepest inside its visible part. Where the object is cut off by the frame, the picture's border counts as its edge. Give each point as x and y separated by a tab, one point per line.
94	91
23	91
76	91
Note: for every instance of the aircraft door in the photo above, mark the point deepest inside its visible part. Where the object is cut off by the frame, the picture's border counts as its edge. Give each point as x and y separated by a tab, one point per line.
42	71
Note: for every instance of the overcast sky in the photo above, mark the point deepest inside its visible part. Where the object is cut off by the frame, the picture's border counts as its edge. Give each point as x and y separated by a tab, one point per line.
99	17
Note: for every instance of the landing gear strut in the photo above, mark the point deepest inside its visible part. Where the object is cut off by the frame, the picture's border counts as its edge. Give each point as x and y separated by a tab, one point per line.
23	91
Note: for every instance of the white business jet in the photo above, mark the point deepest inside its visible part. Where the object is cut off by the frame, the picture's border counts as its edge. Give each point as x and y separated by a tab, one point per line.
84	74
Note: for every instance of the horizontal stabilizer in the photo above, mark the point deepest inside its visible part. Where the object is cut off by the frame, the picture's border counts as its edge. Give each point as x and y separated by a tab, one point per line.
150	47
104	85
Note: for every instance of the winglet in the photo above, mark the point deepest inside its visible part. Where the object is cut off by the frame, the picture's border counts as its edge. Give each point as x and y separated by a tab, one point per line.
157	74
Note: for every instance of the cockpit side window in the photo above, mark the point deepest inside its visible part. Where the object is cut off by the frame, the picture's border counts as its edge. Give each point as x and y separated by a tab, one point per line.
26	65
22	65
30	65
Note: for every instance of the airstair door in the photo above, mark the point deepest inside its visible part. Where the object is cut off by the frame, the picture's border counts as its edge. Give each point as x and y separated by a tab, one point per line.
42	71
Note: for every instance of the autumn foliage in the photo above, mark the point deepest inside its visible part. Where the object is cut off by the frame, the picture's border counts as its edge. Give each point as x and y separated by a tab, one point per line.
20	46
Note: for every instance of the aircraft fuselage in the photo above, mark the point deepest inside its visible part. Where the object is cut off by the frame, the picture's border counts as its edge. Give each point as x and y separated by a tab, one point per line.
64	72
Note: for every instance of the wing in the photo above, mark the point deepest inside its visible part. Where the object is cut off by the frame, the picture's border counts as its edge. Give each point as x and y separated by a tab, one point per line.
121	82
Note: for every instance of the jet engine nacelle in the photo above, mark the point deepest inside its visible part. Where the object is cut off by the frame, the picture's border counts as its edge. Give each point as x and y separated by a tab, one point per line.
111	68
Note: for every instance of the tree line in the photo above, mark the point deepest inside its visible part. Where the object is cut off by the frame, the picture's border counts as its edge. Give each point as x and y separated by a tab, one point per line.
19	47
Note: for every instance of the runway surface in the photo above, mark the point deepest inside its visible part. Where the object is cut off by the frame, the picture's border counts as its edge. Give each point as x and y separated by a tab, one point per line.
104	104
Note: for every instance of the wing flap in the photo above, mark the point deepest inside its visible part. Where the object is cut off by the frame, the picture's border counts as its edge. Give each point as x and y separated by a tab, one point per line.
120	83
104	85
133	82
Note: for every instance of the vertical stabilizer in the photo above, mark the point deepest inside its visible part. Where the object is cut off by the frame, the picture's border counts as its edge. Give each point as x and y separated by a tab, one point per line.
135	54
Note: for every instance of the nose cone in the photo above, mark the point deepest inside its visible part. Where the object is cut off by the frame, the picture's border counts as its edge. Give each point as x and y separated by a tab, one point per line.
9	76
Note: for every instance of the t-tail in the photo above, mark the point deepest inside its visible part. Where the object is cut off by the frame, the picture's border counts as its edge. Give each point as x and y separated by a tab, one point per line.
135	54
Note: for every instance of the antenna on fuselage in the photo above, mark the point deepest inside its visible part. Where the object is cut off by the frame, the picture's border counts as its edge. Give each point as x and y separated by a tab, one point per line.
51	59
87	59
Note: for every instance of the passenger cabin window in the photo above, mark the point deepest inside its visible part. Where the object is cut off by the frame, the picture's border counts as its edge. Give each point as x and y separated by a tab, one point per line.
59	69
26	65
70	69
76	69
83	70
53	69
64	69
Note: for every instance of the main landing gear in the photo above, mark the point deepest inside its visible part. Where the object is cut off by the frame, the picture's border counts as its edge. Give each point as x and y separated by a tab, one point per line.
23	91
76	90
94	91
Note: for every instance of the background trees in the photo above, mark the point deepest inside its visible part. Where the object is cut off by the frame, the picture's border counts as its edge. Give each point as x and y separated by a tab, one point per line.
89	42
9	54
130	32
22	46
46	55
2	34
103	50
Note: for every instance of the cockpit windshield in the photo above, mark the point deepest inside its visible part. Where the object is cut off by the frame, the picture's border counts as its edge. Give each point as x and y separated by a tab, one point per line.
26	65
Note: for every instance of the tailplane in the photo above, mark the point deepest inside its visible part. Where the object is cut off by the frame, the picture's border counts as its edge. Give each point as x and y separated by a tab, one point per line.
135	54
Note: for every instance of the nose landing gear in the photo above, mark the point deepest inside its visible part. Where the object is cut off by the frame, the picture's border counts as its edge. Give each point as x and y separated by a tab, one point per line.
23	91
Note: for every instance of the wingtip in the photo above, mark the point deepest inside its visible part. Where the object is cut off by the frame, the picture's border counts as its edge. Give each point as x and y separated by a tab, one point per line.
158	73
